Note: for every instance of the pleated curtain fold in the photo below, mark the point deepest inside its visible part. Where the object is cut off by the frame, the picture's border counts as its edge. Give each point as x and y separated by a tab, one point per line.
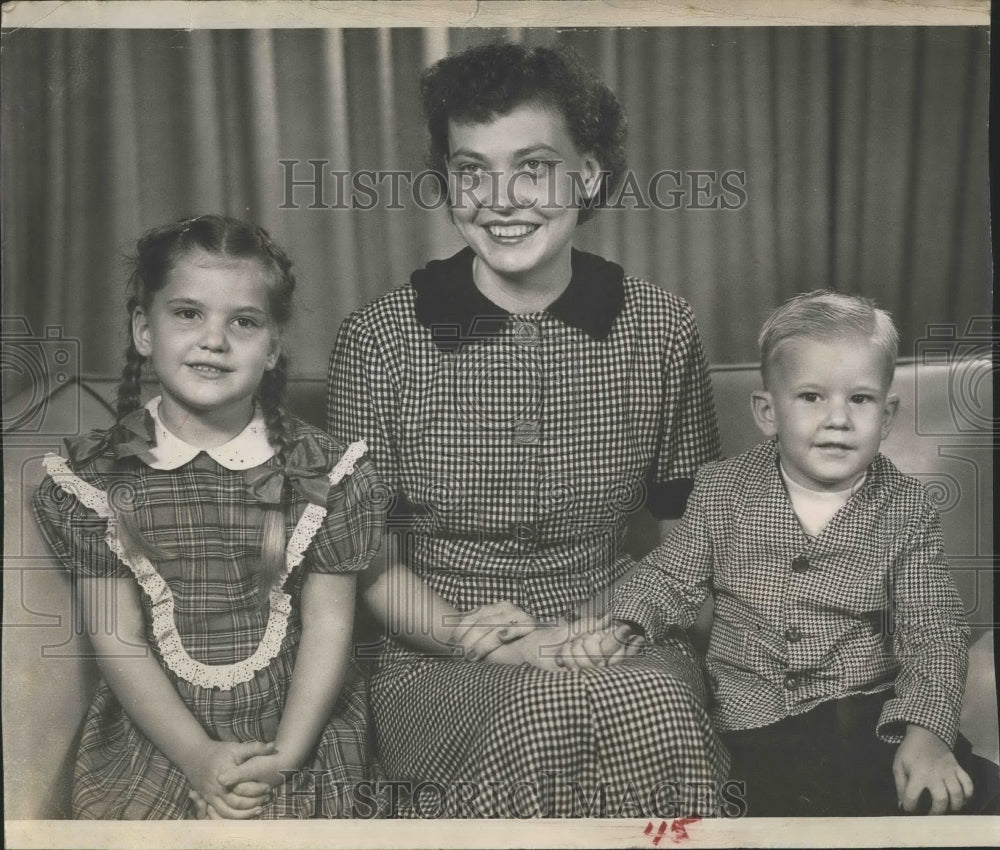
862	153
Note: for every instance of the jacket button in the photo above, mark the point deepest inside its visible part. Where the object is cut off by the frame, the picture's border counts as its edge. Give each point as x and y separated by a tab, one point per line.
800	564
793	634
791	682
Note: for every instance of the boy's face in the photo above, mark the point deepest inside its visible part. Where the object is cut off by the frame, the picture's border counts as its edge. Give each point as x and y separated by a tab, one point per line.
514	185
828	404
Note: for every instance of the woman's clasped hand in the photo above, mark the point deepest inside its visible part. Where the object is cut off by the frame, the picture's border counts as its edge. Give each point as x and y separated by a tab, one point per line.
502	633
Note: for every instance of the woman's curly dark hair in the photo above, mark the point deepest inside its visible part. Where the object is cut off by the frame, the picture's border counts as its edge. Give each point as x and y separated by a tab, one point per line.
481	83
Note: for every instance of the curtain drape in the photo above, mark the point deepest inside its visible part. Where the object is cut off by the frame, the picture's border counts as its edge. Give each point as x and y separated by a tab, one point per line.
862	153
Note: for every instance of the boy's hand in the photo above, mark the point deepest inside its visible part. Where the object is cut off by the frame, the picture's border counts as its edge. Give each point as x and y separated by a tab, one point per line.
922	761
607	644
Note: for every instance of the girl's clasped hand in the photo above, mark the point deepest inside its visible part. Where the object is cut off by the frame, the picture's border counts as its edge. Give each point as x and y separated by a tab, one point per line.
214	793
243	782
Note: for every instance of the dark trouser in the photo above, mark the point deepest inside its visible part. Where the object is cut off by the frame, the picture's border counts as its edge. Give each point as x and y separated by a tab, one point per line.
829	762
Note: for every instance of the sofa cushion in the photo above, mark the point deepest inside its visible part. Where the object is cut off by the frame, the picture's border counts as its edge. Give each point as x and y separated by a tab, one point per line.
942	436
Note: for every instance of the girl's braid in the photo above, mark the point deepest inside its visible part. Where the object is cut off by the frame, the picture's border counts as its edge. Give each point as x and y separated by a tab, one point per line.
129	396
273	385
129	387
271	394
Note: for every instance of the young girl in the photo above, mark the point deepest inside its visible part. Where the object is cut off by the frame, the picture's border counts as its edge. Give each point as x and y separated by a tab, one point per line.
223	537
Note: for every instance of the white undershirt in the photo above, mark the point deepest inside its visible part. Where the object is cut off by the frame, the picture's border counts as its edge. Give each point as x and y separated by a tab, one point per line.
815	508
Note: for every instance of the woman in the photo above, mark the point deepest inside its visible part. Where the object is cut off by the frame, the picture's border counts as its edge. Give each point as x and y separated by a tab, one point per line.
521	399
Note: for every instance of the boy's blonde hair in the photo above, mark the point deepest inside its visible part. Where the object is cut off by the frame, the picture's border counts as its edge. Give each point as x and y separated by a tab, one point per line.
825	315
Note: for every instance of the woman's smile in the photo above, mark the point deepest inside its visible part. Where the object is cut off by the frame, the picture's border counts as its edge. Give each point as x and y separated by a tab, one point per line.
510	232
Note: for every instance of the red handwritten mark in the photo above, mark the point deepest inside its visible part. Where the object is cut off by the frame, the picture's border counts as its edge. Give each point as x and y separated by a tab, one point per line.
679	828
659	833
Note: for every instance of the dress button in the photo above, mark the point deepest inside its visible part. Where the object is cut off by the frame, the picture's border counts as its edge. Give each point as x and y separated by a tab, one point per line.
791	682
526	333
526	432
525	535
793	634
800	564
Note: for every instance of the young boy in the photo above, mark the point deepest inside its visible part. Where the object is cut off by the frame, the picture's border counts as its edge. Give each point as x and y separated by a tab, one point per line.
838	633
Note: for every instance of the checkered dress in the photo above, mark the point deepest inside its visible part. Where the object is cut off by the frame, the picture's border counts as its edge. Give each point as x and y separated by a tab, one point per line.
519	445
867	606
201	517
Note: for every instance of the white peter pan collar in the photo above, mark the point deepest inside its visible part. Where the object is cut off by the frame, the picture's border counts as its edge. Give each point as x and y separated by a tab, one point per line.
246	450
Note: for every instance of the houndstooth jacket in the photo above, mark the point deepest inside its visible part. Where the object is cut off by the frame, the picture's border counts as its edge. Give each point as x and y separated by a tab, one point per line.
866	606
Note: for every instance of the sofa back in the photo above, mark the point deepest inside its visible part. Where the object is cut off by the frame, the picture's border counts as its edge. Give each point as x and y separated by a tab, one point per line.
943	436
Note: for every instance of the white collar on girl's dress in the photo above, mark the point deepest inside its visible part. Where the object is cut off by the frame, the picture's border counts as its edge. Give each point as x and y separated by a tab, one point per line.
246	450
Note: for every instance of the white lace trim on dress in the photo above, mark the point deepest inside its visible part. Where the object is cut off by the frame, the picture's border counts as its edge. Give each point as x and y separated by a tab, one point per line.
221	676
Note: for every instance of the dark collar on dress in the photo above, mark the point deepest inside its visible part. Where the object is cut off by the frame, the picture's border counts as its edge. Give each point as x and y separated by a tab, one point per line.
456	312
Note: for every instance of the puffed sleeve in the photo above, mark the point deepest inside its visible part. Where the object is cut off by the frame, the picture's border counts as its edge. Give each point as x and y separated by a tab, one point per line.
690	432
351	532
362	403
75	533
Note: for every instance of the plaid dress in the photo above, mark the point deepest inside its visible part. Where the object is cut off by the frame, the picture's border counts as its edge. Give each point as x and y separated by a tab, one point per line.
518	446
230	660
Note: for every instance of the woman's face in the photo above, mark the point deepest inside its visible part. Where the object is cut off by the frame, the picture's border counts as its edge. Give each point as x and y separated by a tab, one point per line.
514	186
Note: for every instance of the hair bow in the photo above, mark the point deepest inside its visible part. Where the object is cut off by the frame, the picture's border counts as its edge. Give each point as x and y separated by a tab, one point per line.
133	434
306	470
